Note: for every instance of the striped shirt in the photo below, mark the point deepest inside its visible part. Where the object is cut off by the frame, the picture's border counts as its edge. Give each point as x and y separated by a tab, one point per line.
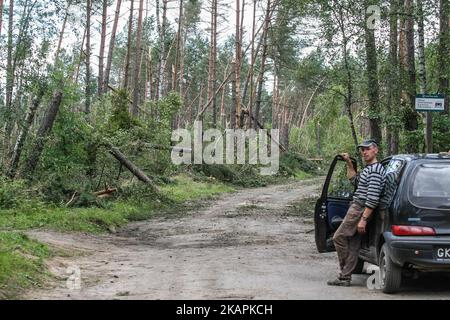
370	184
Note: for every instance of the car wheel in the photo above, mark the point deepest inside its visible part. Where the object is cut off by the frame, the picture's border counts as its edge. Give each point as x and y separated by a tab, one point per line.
390	273
359	267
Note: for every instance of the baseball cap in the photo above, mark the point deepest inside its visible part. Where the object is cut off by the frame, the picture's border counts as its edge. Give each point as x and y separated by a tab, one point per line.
368	143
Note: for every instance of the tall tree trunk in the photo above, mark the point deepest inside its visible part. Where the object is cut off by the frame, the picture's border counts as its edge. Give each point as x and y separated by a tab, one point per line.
24	132
262	68
237	71
175	79
162	83
410	115
137	67
9	84
101	57
422	74
42	134
233	116
372	83
161	55
87	106
129	41
63	29
212	61
1	15
112	43
252	67
80	59
349	82
393	87
444	51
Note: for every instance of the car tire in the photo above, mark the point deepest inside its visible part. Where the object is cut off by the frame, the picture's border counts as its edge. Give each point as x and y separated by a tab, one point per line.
359	267
390	273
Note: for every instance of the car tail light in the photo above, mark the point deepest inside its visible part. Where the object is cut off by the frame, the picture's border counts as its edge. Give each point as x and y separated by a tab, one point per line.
412	231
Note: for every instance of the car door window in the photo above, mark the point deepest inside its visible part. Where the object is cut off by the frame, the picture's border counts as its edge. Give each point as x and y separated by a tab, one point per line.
340	185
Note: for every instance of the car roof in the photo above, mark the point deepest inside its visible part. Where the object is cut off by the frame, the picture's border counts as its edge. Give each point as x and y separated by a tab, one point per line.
421	156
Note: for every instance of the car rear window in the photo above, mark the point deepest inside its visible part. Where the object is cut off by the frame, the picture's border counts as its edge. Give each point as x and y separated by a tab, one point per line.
431	186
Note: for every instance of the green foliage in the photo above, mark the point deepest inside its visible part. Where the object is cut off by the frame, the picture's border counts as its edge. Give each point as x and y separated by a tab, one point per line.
121	118
16	194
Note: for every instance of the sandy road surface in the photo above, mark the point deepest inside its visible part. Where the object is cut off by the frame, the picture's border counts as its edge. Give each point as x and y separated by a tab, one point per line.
245	245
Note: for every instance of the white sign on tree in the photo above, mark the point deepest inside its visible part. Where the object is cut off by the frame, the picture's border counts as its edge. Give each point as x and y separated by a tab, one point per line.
430	102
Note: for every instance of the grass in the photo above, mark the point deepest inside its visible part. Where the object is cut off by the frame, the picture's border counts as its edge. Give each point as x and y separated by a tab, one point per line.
21	264
114	214
186	189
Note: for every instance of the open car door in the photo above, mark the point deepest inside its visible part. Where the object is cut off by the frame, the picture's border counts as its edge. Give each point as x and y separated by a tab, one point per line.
332	206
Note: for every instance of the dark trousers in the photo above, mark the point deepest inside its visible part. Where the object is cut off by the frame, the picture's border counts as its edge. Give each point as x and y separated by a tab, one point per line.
347	240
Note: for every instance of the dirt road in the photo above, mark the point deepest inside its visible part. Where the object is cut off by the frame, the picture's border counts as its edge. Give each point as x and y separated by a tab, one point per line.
252	244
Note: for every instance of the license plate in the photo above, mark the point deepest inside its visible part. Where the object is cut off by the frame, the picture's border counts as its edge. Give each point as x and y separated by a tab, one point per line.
442	253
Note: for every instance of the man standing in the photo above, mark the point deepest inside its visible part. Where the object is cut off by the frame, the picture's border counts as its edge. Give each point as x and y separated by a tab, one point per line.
370	184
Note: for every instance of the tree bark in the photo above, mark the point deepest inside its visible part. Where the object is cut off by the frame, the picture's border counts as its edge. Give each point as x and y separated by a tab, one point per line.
42	134
1	15
410	115
212	61
422	74
260	79
101	57
17	152
237	65
128	58
372	83
112	43
349	82
444	51
162	83
63	29
393	101
87	106
252	67
137	67
138	173
175	80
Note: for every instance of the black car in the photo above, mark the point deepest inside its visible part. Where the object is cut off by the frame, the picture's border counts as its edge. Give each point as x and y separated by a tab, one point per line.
413	234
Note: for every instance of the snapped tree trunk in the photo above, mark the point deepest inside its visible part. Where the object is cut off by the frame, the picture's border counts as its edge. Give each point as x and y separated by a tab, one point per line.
42	134
138	173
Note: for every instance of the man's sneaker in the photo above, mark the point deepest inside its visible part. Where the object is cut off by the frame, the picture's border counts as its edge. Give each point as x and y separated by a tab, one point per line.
342	282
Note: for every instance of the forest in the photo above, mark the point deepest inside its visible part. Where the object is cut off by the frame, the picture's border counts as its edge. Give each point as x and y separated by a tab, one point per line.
91	90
